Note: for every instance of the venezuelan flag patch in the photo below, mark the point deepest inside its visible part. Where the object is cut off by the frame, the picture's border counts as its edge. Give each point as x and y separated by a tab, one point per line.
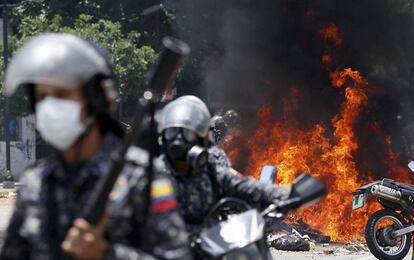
162	196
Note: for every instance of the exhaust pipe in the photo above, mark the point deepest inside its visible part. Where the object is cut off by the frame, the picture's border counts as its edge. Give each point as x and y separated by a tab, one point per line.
386	193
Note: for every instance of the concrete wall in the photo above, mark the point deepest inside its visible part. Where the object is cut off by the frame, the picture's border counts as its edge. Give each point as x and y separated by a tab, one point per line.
22	152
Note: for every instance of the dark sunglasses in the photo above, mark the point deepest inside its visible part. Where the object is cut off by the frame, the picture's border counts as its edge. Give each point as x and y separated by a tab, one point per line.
172	132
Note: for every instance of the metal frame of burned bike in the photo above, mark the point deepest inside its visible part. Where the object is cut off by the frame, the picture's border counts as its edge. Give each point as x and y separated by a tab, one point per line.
397	200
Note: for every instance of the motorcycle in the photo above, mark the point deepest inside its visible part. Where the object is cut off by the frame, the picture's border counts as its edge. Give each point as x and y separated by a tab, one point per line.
234	230
388	231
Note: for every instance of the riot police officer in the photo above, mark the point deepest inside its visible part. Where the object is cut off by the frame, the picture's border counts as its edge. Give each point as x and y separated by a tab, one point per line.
217	134
221	126
184	124
71	86
219	129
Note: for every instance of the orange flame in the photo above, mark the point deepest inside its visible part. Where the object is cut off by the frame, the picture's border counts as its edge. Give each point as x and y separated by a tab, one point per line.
327	156
326	60
331	33
338	78
327	152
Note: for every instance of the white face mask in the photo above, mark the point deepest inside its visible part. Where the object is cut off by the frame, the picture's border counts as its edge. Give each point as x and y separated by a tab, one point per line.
58	121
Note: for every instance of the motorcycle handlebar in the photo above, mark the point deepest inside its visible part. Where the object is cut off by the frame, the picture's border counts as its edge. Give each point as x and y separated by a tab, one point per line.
283	207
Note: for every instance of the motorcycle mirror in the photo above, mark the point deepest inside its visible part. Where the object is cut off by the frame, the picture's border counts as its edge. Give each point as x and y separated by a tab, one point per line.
411	166
268	174
306	190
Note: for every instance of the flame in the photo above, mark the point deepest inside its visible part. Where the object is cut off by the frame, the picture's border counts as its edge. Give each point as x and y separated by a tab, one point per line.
325	150
326	60
338	78
331	33
327	156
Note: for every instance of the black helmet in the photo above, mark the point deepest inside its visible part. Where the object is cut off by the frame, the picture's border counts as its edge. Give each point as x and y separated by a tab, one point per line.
219	128
232	118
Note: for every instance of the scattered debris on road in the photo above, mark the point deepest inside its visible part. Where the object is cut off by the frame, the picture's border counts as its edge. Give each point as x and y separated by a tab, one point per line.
292	242
299	237
7	194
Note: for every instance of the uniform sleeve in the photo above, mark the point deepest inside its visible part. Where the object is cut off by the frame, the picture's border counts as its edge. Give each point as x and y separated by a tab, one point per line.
166	240
15	246
164	233
218	157
231	184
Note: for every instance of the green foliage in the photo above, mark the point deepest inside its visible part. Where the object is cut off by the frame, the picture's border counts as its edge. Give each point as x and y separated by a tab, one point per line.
125	12
131	62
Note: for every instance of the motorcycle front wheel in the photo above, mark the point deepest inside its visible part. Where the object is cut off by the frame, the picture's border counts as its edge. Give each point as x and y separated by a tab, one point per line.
378	235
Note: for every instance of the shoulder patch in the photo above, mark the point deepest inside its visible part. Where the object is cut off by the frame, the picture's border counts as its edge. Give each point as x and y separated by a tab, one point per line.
137	155
162	196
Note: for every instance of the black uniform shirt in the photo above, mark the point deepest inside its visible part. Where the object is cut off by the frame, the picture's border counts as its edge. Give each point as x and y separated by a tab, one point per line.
51	197
199	191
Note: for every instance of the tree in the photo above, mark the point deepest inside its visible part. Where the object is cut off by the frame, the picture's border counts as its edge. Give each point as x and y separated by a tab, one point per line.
130	62
126	12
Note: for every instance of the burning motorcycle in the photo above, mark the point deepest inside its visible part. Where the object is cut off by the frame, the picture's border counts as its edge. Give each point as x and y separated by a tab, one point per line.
234	230
389	230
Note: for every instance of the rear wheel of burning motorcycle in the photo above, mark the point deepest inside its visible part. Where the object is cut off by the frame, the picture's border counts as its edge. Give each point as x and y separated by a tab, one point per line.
378	234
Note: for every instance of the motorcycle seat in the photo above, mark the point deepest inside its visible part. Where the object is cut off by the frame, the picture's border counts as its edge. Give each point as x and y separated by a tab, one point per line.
405	186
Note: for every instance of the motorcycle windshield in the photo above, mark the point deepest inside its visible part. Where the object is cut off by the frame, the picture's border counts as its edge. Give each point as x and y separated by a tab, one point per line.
237	232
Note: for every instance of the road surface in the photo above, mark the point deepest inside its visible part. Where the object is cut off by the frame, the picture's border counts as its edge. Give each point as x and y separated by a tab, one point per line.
6	209
321	252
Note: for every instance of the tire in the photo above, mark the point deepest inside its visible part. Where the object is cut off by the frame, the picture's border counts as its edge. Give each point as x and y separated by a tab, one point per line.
373	241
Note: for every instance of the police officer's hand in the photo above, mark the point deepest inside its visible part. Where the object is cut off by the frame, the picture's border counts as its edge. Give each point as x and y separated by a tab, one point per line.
84	241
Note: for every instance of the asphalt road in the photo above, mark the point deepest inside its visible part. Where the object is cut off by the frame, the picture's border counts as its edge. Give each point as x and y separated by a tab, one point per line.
319	254
6	209
290	256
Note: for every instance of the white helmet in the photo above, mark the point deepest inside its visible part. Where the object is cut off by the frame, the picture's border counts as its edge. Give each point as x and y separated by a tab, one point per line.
188	112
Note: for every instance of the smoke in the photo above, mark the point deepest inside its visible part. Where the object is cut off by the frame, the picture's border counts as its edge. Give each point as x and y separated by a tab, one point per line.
253	52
